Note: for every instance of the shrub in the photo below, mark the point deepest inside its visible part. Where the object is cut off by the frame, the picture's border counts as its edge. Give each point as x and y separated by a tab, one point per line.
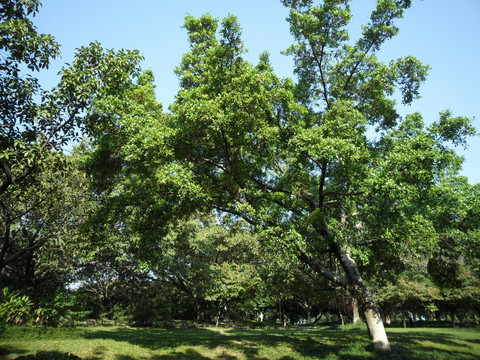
15	308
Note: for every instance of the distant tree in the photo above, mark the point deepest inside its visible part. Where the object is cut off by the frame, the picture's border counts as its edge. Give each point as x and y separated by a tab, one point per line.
411	291
214	266
453	265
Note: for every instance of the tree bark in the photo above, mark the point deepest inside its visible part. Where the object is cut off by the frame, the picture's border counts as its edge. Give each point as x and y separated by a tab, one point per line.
376	331
200	306
452	317
353	281
366	301
355	312
358	290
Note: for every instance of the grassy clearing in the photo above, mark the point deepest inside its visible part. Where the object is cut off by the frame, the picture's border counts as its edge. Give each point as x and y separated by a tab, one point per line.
350	342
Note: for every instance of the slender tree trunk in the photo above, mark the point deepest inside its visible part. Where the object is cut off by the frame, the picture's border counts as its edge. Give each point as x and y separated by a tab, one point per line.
200	309
355	313
280	310
388	319
219	313
452	317
1	286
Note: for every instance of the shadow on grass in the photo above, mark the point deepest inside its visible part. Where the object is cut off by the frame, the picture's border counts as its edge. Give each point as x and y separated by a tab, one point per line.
49	355
252	344
436	343
4	351
332	342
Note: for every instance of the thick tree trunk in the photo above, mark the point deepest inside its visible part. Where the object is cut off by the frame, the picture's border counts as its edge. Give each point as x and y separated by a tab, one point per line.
366	301
376	331
373	318
358	290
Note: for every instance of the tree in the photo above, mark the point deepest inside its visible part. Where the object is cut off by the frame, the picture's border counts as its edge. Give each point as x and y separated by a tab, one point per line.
454	264
296	160
37	125
412	291
211	264
22	147
52	209
139	184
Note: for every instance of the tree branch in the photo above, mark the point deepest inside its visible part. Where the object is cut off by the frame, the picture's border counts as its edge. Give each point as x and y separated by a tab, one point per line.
19	253
321	270
319	60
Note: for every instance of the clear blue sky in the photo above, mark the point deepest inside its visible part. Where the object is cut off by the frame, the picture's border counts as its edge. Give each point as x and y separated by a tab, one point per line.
442	33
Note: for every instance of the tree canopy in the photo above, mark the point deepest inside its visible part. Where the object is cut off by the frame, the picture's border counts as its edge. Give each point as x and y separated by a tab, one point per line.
297	161
319	172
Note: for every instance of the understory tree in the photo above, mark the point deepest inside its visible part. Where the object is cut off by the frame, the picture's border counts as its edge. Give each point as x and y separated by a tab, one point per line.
214	265
297	161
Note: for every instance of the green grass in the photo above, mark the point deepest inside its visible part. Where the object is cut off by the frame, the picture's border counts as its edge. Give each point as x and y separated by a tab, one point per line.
349	342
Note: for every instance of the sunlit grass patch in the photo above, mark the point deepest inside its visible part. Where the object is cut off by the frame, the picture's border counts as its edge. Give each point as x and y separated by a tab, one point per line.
334	342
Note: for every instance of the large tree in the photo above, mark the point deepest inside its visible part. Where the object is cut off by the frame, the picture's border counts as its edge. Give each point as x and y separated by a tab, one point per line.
22	146
298	161
37	125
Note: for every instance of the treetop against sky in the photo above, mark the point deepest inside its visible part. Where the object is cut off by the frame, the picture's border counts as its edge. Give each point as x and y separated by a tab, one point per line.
440	33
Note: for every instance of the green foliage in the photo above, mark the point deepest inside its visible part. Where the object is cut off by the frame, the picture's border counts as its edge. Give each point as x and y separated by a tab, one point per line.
62	310
15	308
410	291
41	197
431	308
207	262
42	243
455	130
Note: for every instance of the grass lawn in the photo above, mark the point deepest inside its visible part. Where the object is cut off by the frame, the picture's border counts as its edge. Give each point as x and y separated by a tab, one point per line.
349	342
